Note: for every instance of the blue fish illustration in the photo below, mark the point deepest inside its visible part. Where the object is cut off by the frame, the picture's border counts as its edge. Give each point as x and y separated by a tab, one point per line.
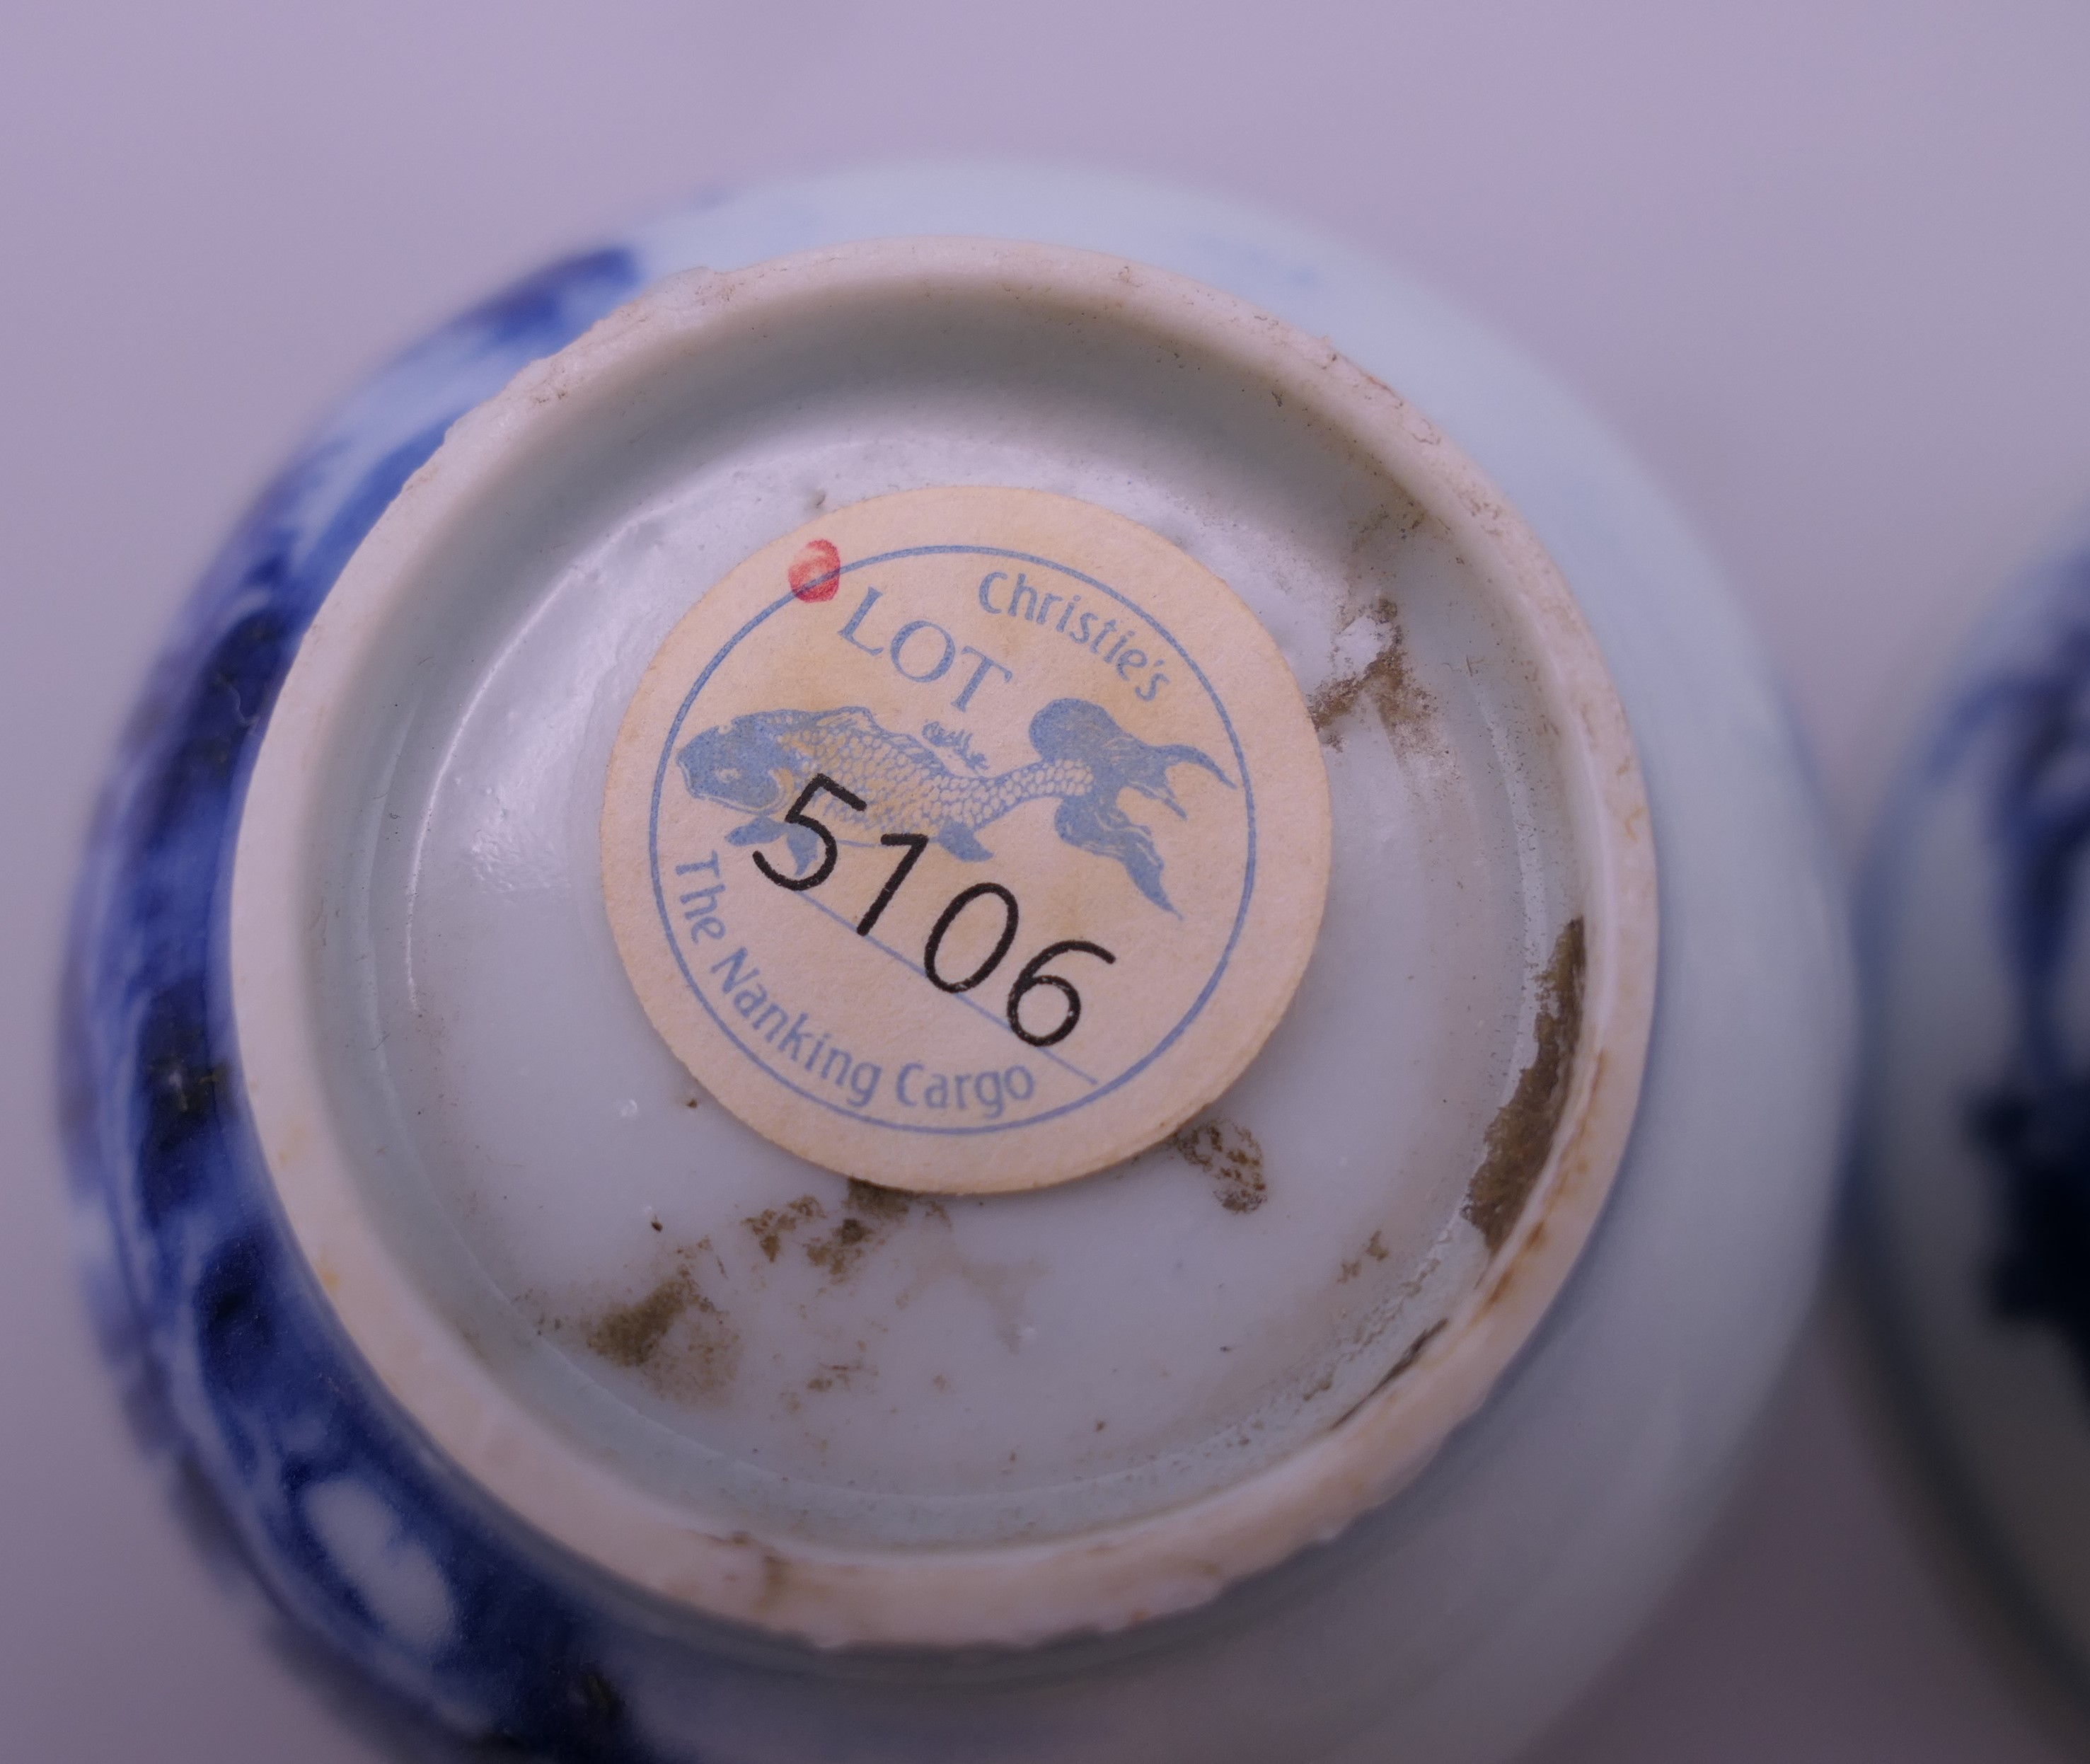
761	761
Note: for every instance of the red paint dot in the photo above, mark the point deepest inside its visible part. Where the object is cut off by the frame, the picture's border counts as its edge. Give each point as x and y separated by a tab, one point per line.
816	572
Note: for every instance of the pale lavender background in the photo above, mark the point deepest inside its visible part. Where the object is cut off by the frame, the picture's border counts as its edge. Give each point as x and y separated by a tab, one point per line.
1825	265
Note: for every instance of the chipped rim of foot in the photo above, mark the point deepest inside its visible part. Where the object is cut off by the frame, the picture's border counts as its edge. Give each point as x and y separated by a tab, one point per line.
1536	1222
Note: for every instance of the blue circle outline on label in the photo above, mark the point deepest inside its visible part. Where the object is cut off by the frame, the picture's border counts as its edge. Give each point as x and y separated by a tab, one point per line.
1103	1088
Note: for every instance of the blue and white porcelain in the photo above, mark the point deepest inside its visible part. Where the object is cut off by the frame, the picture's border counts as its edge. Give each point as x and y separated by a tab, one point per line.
1973	1213
1367	1416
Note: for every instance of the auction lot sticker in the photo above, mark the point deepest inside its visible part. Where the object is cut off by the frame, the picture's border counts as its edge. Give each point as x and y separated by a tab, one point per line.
966	840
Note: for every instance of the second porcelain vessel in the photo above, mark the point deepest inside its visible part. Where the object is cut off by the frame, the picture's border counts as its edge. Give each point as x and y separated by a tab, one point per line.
1027	976
1973	1213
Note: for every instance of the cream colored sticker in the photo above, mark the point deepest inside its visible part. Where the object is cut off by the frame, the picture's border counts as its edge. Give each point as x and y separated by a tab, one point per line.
967	839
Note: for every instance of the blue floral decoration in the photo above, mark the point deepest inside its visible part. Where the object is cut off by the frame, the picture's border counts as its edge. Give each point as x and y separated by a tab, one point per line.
2030	722
361	1532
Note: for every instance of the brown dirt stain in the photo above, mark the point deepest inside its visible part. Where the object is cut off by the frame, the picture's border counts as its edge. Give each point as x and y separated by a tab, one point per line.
1520	1136
772	1226
872	1212
1374	1247
1385	683
1230	1155
631	1334
840	1251
1403	1364
674	1337
1413	1352
885	1203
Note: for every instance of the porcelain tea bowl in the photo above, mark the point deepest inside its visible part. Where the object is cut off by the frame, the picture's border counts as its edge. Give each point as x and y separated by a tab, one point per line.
1971	1215
1343	1370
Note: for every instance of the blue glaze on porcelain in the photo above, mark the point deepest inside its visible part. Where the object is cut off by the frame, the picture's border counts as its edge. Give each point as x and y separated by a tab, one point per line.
2026	726
1971	1215
1449	1624
353	1527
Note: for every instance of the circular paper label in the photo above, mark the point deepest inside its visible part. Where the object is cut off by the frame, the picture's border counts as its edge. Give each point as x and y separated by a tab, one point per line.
966	840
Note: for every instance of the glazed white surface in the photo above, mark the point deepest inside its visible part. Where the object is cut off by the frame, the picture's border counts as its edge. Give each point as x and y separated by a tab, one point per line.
1025	1365
416	865
1592	1465
1811	1628
1022	1365
1712	1229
